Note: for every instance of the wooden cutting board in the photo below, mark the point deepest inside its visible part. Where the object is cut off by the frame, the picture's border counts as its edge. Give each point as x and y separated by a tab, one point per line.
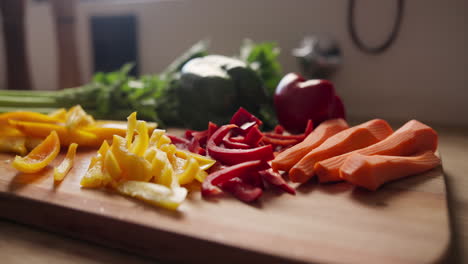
404	222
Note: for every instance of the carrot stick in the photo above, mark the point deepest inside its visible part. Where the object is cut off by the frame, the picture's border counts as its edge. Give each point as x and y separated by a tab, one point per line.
286	159
371	172
411	138
353	138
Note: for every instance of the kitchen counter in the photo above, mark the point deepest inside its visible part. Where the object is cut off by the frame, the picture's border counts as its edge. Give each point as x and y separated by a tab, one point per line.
23	244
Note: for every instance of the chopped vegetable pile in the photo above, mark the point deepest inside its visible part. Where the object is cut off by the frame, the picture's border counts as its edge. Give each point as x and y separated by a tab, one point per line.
232	155
149	168
243	153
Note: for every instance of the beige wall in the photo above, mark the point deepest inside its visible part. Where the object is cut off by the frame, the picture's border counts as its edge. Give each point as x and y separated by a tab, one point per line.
423	76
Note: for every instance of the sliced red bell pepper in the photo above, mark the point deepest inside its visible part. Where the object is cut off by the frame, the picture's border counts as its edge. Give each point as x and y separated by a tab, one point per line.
232	144
214	180
235	156
180	142
279	129
309	128
275	179
253	137
239	139
242	191
243	116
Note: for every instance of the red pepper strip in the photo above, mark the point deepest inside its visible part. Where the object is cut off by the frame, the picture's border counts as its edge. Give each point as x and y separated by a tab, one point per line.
201	137
233	145
179	141
228	173
188	134
212	127
235	156
242	191
194	147
238	139
254	179
279	129
280	142
253	137
275	178
309	128
243	116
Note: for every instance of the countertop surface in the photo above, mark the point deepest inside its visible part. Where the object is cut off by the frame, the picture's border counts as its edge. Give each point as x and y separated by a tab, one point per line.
23	244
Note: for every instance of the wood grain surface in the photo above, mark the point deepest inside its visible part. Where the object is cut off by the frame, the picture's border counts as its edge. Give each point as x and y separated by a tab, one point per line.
404	222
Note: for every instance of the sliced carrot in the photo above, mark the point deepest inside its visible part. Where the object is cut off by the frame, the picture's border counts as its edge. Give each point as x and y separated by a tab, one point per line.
353	138
288	158
371	172
411	138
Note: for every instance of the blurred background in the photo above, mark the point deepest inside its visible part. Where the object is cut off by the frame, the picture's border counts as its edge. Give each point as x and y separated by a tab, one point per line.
422	75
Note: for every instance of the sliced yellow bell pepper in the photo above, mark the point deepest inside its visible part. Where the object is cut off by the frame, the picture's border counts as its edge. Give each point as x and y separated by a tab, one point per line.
162	170
111	166
133	167
13	144
40	156
67	163
12	140
105	129
201	176
28	117
60	114
141	142
155	137
94	176
41	130
131	126
103	148
191	169
37	129
77	117
204	162
156	194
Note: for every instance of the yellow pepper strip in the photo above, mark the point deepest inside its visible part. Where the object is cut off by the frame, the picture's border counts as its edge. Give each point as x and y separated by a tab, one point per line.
204	162
15	144
36	129
77	117
162	170
155	137
163	140
60	114
156	194
41	130
107	129
141	142
104	148
83	138
133	167
67	163
28	117
12	140
131	126
111	166
191	169
201	176
94	176
40	156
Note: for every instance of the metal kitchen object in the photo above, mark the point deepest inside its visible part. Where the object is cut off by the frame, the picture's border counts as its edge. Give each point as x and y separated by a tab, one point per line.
319	56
